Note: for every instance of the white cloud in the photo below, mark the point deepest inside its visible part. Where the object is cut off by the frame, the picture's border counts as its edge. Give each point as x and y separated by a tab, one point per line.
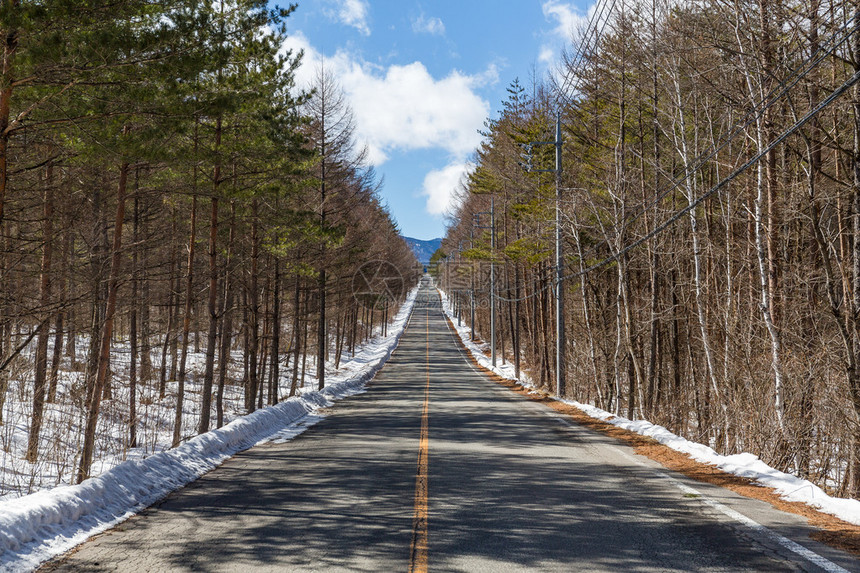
354	13
403	107
547	55
566	17
488	77
406	108
441	186
425	25
296	42
568	24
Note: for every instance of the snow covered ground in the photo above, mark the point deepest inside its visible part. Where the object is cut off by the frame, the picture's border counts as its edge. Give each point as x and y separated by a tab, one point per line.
789	487
36	527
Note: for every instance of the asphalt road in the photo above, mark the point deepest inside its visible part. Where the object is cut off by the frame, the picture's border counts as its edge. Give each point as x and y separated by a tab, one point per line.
502	484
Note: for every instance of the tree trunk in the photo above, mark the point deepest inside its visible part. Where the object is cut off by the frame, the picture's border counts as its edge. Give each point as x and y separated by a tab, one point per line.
40	377
171	316
59	325
132	381
186	326
212	305
321	331
10	49
516	327
297	334
97	264
254	324
143	301
226	321
634	368
690	191
87	449
264	346
276	335
854	370
132	368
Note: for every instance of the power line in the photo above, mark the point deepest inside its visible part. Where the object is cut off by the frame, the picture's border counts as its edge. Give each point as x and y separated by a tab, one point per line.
839	37
826	49
692	205
590	41
716	188
751	117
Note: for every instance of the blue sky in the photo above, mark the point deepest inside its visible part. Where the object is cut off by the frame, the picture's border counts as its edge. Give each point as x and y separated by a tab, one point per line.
422	77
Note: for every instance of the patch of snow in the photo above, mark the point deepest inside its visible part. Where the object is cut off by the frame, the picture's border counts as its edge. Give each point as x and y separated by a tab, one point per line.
746	465
506	371
789	487
36	527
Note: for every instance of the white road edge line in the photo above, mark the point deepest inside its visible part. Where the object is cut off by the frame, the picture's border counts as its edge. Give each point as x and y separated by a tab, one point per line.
457	344
792	546
787	543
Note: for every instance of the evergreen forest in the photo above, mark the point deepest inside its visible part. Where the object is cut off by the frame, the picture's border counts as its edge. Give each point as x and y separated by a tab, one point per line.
180	228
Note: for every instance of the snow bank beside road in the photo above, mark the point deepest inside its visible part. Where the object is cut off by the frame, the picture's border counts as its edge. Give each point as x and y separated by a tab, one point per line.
465	332
39	526
789	487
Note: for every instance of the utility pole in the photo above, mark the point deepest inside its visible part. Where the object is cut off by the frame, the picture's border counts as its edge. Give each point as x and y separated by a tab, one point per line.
459	291
493	279
472	290
558	289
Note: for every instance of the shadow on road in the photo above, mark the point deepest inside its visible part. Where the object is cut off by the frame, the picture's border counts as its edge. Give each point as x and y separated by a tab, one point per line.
510	489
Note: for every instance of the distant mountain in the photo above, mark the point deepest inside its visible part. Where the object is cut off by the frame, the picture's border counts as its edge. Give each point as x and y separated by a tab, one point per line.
423	249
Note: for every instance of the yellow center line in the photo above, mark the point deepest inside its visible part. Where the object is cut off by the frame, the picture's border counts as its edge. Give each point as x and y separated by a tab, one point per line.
418	551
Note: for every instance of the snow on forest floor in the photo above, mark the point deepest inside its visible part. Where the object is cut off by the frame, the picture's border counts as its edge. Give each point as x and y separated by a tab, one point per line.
38	526
745	465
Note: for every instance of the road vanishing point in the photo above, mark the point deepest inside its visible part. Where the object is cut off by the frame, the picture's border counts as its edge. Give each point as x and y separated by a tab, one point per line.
438	468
